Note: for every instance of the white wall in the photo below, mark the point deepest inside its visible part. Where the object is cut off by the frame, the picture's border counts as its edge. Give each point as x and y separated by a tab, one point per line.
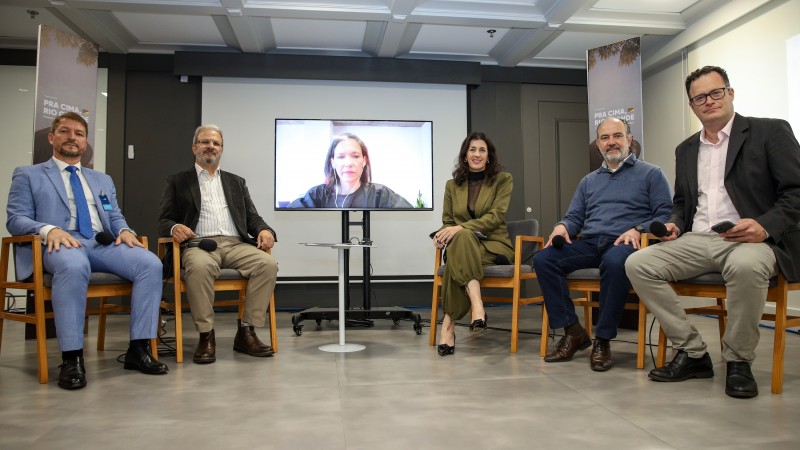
753	52
246	110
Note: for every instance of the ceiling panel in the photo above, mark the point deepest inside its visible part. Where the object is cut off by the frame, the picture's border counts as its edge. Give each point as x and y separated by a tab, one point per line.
453	40
318	34
171	29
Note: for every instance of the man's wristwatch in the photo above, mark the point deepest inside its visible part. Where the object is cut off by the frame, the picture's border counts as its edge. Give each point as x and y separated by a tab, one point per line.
639	228
130	230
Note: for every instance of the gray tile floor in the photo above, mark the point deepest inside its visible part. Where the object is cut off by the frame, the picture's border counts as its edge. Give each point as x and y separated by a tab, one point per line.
396	394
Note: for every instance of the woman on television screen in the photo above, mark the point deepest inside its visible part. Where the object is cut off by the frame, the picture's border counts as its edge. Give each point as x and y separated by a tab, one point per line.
473	234
348	181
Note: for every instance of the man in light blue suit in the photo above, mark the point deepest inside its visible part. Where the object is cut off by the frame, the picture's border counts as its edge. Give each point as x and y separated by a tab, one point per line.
42	201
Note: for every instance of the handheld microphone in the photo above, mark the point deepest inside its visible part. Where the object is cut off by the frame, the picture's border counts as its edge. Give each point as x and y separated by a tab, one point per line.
558	241
104	238
208	245
658	229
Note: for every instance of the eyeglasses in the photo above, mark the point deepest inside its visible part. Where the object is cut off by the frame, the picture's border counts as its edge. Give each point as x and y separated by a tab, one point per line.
716	94
210	142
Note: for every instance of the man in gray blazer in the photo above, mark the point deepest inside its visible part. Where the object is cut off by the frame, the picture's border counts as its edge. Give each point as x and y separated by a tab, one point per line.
207	203
42	201
741	170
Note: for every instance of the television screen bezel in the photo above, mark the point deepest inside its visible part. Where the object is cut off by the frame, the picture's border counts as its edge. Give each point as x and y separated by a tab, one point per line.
277	208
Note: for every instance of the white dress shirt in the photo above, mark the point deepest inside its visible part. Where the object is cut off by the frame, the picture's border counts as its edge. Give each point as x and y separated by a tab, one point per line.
714	205
215	217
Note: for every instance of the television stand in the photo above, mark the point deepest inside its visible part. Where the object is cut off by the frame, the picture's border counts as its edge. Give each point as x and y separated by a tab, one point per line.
354	317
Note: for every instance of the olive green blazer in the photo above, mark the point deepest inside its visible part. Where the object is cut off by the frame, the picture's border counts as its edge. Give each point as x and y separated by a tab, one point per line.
490	210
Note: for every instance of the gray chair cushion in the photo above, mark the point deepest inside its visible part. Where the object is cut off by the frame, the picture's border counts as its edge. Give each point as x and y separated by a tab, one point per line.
506	271
95	278
585	274
716	278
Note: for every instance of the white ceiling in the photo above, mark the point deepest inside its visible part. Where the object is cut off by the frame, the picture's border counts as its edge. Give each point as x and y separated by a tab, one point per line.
533	33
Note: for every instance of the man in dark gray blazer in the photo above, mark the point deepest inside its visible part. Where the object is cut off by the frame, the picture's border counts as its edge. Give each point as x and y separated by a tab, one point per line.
741	170
208	203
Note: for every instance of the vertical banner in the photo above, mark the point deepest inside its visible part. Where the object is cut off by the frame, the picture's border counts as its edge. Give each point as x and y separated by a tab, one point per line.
614	82
66	80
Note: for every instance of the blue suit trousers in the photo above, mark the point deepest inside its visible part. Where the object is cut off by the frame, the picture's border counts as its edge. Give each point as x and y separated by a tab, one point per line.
71	268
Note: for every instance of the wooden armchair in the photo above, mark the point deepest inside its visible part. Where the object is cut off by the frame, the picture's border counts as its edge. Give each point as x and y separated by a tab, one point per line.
229	280
523	234
587	281
712	285
101	285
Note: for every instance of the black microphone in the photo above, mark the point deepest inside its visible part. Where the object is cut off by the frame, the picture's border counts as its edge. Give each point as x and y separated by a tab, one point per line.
658	229
208	245
104	238
558	241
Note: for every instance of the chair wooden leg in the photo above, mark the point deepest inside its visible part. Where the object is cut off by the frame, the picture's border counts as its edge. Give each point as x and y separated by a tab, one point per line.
640	344
273	324
515	319
101	325
1	328
178	324
242	296
545	332
41	339
661	355
434	313
722	320
587	315
779	345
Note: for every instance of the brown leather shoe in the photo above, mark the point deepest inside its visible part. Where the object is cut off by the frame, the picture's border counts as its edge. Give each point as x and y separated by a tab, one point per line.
567	346
246	341
600	360
206	351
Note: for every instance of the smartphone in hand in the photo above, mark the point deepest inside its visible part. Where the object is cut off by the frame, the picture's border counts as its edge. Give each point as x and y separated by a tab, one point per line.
723	226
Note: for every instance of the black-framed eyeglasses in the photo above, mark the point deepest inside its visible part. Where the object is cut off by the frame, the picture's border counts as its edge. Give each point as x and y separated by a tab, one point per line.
716	94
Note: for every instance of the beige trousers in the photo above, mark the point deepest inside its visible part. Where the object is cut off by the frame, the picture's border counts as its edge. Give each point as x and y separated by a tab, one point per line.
746	268
202	268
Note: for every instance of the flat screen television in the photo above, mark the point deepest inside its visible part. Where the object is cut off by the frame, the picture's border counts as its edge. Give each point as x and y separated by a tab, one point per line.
356	165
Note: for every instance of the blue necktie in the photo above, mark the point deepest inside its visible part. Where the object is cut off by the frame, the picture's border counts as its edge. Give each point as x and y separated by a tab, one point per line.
81	207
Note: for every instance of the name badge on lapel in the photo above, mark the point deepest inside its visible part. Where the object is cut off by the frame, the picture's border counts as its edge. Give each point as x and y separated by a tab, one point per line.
104	201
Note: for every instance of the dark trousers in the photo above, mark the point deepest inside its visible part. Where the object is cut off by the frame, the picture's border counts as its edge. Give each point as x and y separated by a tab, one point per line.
553	265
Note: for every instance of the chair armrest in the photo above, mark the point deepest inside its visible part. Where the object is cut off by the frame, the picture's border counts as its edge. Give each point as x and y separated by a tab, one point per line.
162	245
437	260
28	238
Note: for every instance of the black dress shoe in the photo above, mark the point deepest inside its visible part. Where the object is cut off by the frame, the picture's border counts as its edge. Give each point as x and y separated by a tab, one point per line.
682	367
740	382
139	358
600	360
567	346
206	351
479	324
445	349
72	374
247	342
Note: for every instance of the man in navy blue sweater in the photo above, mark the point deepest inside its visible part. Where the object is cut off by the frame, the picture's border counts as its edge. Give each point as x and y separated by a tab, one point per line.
611	207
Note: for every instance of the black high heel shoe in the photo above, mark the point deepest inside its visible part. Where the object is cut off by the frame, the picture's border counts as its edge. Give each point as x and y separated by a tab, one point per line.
479	324
445	349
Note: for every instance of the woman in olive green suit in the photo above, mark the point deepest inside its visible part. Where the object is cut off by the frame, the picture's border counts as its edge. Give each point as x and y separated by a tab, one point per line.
473	233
